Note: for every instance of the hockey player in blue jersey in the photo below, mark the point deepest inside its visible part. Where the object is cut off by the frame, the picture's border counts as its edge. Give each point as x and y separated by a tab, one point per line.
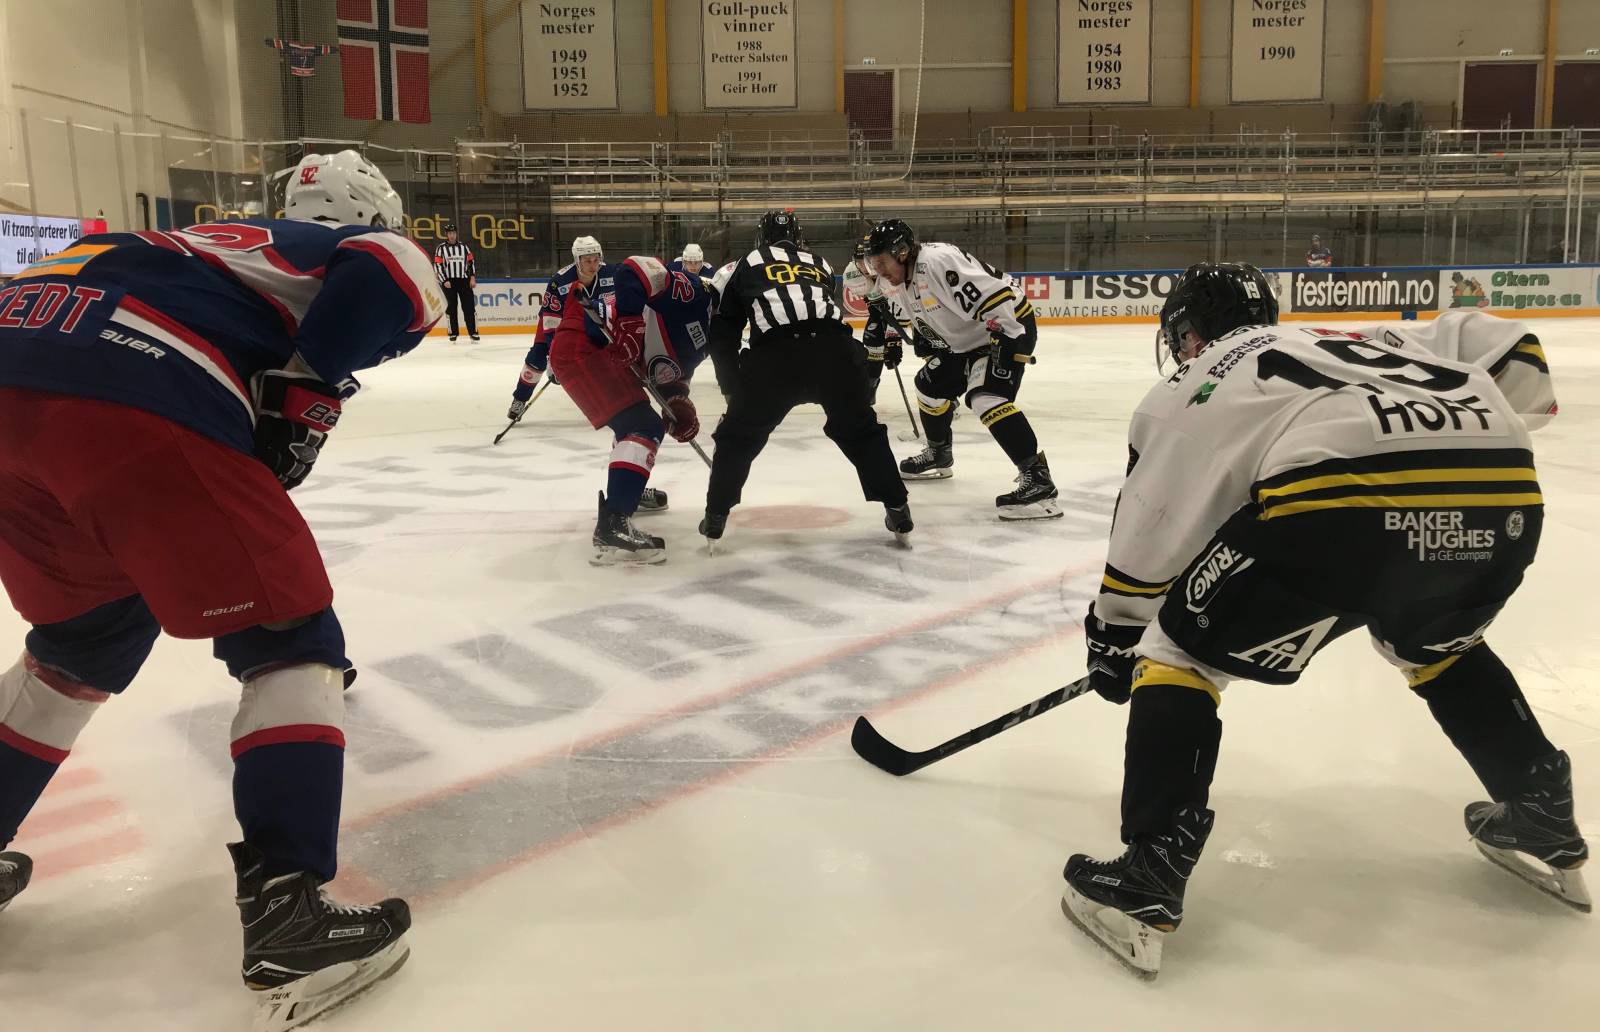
590	276
160	393
655	325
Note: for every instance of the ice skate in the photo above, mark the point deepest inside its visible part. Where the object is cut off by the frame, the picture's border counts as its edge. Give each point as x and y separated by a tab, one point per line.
1533	834
1035	496
711	527
897	518
1129	905
618	541
304	954
652	501
935	462
15	870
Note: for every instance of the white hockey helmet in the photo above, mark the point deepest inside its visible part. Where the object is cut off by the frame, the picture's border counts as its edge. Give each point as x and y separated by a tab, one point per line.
692	253
342	188
586	245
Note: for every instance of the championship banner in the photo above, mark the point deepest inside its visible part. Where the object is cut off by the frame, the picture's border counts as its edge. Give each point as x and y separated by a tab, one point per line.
1277	50
1103	51
747	57
25	239
569	56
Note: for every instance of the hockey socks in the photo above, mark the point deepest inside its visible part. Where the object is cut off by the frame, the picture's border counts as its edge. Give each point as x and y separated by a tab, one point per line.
1173	738
1012	432
937	415
1480	708
632	458
288	767
42	712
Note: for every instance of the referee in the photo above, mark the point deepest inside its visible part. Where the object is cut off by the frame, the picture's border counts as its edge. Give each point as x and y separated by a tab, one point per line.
452	263
801	351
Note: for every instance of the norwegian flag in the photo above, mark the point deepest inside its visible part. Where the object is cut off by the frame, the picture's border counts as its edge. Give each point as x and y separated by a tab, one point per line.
383	52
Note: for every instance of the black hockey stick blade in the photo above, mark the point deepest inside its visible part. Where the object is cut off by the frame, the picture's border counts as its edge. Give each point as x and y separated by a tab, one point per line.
890	758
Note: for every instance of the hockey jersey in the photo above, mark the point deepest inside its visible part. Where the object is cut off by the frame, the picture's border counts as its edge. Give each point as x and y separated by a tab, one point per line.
1304	420
677	314
178	322
950	298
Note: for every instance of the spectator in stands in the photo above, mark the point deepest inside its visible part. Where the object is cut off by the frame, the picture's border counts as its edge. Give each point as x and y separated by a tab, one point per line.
1319	257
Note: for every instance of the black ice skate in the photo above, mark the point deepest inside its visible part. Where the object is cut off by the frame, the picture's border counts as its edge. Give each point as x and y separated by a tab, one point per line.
617	540
897	518
712	524
15	870
304	954
1537	823
652	501
1130	904
935	462
1035	496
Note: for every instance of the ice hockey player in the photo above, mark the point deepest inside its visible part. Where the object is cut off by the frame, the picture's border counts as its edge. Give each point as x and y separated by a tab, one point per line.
692	261
160	393
983	333
801	351
1285	487
880	347
651	322
591	275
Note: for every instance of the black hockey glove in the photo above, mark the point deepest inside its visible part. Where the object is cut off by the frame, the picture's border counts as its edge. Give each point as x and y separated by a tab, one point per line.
920	346
1111	658
294	413
892	353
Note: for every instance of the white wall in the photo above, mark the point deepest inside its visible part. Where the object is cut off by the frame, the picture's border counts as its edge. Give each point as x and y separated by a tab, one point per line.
141	66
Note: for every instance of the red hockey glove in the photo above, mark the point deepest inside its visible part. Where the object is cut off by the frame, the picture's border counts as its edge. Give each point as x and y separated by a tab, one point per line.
627	339
294	413
685	421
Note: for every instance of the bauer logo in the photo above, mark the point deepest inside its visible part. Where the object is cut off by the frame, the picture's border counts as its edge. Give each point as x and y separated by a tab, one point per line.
1212	572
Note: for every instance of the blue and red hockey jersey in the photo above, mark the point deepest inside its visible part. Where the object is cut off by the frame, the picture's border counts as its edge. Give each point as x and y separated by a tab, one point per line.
178	322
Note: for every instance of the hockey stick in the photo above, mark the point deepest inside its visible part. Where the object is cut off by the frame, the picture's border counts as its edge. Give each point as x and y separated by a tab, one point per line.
886	756
916	435
547	382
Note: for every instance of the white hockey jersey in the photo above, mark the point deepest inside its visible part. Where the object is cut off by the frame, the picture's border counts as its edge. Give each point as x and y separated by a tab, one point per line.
1298	420
950	297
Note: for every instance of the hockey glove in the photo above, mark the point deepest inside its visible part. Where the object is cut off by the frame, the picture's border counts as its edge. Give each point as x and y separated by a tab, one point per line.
518	407
294	413
892	353
627	339
920	346
685	421
1111	658
1009	349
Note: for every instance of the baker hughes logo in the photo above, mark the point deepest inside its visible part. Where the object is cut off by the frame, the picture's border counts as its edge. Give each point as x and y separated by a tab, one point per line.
1348	291
1439	536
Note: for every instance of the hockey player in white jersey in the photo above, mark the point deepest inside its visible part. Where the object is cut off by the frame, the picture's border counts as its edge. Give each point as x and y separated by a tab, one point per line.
983	333
880	346
1285	487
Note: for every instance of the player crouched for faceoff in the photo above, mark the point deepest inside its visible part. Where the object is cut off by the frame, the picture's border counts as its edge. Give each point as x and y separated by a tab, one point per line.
801	351
648	321
983	333
160	394
880	347
1286	487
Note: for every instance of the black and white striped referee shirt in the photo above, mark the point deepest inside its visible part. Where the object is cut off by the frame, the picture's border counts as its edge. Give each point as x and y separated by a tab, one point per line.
453	261
771	288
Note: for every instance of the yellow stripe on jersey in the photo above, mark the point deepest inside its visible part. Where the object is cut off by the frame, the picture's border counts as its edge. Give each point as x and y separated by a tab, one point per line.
1024	310
1153	591
1418	676
933	410
1377	501
1150	672
65	263
1399	476
1533	350
994	300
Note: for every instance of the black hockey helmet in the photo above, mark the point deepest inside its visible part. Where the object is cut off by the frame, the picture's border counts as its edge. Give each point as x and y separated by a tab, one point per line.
779	226
894	238
1214	299
450	227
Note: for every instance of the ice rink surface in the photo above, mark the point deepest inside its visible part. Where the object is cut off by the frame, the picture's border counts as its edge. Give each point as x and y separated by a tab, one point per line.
625	798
